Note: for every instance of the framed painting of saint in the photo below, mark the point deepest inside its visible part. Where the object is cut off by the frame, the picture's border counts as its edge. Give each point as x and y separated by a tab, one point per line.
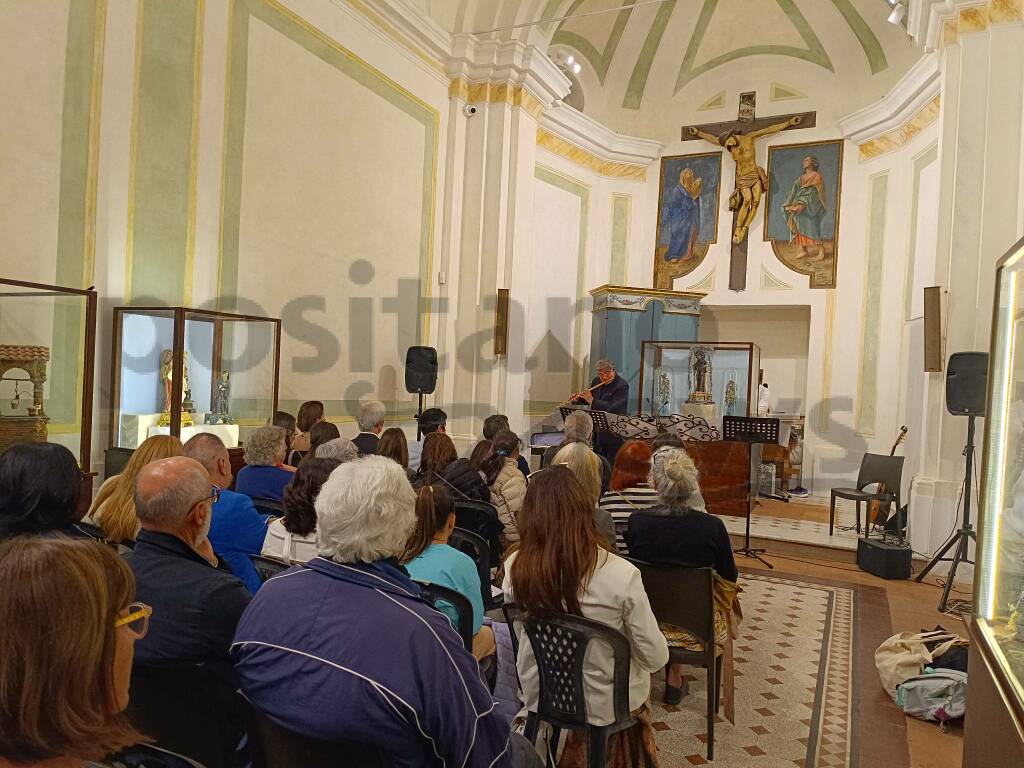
801	218
688	201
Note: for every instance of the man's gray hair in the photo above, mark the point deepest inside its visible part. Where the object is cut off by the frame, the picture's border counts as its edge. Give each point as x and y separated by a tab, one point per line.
166	506
340	448
371	413
206	448
366	511
266	446
605	365
674	475
578	427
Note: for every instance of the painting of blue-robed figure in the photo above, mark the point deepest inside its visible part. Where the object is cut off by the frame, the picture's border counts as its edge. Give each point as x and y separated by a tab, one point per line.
687	214
802	213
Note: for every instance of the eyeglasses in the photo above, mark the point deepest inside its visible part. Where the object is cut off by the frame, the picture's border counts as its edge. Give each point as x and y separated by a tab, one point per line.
214	496
137	620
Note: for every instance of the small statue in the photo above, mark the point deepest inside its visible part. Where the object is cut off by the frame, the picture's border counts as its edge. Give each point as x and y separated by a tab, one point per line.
700	376
167	377
664	392
219	413
730	397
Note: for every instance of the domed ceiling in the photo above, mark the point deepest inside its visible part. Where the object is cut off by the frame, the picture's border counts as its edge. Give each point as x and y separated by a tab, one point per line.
650	65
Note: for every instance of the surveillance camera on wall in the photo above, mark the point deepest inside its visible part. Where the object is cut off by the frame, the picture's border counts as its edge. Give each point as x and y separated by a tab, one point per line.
469	110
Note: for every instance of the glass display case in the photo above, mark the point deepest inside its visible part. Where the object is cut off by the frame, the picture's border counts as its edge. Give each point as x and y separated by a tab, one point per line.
180	371
47	351
708	379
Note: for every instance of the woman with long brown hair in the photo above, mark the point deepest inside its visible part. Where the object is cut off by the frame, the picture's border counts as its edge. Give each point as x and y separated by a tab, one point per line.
395	445
310	412
560	565
440	463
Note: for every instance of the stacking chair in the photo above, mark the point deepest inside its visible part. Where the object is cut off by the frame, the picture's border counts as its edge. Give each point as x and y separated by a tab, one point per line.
274	746
436	593
268	506
268	567
684	597
481	518
560	643
473	545
874	468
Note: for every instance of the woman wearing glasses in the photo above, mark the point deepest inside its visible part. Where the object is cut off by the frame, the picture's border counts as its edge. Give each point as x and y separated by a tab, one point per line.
68	627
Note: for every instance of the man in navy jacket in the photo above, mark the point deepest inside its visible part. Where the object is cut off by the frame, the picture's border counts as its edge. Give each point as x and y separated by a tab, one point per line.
611	395
344	648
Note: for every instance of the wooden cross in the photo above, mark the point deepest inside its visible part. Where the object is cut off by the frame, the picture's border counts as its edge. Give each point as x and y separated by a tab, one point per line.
738	138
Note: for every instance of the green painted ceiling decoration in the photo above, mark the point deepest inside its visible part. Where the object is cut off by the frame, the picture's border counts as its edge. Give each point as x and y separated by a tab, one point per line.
572	31
715	102
781	92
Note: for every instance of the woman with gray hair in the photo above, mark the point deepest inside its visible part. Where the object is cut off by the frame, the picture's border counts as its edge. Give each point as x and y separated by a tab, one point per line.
340	448
265	474
673	532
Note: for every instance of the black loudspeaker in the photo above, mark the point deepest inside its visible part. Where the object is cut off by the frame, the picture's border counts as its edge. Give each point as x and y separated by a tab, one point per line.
966	383
420	370
889	561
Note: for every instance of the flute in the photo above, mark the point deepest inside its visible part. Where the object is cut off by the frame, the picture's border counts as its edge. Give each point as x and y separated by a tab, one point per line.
577	395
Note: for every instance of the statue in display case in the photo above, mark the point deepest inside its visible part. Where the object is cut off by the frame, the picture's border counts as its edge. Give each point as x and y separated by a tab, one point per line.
700	376
219	407
167	377
32	426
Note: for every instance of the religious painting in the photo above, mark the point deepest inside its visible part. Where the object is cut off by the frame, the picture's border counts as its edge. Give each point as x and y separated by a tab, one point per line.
688	197
748	104
802	212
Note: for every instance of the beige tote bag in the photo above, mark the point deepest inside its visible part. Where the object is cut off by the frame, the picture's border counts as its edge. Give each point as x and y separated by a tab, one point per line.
904	656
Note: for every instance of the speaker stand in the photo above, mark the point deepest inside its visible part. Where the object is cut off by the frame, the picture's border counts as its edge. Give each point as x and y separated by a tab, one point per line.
419	412
961	538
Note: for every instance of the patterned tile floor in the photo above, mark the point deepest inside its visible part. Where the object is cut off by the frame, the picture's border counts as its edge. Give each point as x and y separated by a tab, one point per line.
794	671
803	531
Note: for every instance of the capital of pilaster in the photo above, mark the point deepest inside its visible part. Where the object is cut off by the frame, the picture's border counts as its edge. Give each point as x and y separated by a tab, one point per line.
937	23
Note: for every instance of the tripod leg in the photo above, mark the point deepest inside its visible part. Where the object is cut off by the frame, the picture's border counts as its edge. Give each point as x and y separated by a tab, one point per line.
958	557
938	558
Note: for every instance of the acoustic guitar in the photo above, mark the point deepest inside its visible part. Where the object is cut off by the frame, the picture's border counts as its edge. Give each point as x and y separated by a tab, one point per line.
878	511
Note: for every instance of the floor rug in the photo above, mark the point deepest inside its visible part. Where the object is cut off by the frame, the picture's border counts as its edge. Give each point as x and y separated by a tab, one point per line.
807	693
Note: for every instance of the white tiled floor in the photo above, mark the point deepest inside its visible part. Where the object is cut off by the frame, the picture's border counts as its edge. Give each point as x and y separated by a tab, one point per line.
801	531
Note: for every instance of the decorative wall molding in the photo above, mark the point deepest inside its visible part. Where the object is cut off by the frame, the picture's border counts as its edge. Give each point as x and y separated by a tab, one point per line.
496	93
770	282
902	136
405	24
509	62
706	283
937	23
637	299
575	136
912	95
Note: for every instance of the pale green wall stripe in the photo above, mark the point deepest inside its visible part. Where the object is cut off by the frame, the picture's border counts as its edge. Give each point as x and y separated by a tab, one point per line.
921	162
582	191
620	239
642	69
866	38
867	388
599	60
272	14
163	157
66	346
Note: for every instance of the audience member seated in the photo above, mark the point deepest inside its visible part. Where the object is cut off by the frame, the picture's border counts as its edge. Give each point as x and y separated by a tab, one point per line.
310	412
586	466
340	448
428	557
629	491
265	474
113	509
578	428
562	565
322	432
39	488
431	420
371	424
670	440
394	445
195	606
674	533
293	537
441	464
480	453
344	649
67	627
285	421
507	484
499	423
237	529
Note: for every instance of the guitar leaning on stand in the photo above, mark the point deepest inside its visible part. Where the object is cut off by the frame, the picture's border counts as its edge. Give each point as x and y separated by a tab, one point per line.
878	511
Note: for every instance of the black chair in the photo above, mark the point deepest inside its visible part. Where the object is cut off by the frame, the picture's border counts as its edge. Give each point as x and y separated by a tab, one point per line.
433	593
268	567
274	746
684	596
874	468
473	545
560	643
268	506
188	709
481	518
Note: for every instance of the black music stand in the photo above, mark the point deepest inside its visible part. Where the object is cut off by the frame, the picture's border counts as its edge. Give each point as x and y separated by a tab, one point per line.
754	432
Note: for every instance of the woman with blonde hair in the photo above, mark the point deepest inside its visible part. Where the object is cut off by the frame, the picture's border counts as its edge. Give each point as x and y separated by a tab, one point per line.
113	509
586	466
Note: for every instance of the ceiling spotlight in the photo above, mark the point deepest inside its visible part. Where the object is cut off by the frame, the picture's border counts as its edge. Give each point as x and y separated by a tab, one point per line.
571	60
898	12
576	68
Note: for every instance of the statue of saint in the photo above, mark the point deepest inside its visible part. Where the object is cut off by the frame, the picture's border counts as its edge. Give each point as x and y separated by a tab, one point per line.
700	377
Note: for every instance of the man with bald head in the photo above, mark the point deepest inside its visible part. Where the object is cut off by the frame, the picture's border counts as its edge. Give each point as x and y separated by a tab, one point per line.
196	606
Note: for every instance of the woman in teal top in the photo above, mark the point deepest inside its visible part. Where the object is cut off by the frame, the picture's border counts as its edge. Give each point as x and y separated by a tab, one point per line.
428	557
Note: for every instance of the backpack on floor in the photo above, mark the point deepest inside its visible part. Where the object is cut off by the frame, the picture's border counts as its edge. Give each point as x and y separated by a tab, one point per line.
939	695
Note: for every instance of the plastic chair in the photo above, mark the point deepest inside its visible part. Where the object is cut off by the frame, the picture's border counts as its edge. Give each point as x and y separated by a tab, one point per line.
481	518
274	746
187	709
474	546
268	506
874	468
560	643
435	593
684	596
268	567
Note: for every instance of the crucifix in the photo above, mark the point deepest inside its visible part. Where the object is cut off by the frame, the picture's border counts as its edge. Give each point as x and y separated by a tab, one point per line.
738	139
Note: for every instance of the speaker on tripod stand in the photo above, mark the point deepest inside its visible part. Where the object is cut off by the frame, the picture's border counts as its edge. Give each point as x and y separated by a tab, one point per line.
966	386
420	376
